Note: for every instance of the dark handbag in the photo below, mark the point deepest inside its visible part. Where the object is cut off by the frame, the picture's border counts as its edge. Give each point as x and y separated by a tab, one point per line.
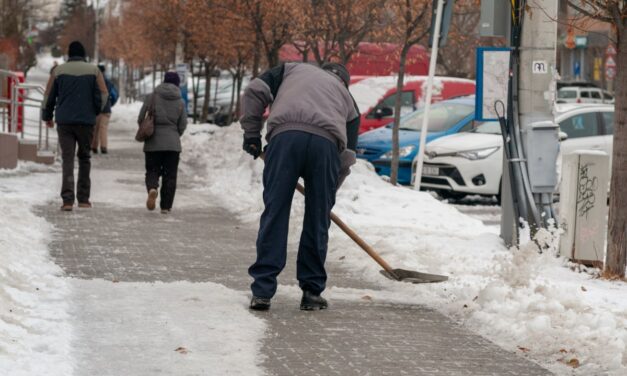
147	125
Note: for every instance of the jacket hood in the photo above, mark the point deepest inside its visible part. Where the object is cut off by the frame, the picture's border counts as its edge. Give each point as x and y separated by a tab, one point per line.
168	91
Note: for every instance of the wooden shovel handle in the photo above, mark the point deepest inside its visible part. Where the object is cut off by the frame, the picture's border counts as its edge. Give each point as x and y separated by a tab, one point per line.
356	238
351	234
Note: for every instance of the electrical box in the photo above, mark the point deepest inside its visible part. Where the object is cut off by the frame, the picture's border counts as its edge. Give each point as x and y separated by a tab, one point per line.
583	206
495	18
542	147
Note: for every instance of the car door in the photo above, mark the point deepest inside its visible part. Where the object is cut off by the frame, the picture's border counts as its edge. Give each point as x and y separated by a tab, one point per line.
608	131
585	132
596	96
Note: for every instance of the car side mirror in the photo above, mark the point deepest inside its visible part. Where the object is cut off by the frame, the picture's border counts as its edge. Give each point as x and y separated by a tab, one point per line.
563	136
382	112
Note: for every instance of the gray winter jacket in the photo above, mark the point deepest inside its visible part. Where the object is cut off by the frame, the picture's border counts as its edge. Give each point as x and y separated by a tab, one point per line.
170	119
305	98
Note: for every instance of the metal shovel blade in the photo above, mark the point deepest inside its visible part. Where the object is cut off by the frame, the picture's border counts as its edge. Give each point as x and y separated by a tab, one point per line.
403	275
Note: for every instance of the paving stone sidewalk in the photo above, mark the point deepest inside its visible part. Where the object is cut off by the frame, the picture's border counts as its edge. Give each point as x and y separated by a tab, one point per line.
208	244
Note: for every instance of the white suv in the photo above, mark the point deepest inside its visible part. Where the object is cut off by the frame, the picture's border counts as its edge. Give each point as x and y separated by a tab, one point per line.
472	162
577	94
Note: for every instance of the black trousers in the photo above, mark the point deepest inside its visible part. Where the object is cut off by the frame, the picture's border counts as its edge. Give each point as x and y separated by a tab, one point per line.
291	155
162	164
71	135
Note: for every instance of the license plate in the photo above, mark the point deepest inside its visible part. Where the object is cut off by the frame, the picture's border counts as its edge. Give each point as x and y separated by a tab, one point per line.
430	171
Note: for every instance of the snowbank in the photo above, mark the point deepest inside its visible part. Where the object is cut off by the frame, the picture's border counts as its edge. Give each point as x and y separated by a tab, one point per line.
34	329
527	302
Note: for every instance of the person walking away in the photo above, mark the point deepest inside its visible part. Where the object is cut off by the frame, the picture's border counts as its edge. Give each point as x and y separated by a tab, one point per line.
102	121
75	94
163	148
307	136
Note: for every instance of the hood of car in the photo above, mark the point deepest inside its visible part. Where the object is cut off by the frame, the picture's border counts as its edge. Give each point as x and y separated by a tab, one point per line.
381	138
464	141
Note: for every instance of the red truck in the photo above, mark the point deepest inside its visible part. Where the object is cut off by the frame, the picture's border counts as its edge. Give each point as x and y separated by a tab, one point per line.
376	96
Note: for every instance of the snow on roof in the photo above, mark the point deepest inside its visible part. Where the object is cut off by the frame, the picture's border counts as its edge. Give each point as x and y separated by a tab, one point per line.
369	91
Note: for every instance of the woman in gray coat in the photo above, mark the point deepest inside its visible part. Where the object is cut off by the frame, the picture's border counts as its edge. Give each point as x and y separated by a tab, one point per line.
162	149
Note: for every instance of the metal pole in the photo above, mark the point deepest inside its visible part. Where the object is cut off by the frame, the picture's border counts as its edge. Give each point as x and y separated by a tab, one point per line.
425	116
97	31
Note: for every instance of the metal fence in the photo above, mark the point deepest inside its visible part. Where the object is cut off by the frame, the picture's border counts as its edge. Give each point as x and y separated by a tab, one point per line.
27	99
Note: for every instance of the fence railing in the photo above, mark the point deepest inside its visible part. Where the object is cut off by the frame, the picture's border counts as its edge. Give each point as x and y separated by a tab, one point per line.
20	100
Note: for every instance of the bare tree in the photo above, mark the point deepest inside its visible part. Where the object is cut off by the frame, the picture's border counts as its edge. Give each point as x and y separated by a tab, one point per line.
411	27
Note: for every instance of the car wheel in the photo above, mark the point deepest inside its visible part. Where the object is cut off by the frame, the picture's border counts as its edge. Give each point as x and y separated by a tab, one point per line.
451	195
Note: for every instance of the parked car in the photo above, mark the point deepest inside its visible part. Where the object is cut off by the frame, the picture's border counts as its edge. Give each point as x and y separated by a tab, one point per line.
577	94
445	118
472	162
376	96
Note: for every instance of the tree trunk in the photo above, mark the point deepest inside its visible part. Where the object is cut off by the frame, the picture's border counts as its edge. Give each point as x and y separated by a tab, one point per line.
617	227
154	76
205	103
229	118
397	116
240	78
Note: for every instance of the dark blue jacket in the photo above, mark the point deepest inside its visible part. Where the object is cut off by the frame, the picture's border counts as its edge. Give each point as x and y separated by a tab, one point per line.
75	93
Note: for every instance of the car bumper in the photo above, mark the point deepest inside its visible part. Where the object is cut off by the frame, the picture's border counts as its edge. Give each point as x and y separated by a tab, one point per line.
456	174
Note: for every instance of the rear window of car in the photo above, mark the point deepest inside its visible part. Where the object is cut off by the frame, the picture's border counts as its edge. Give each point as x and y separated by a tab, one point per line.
442	116
596	94
581	125
567	94
585	94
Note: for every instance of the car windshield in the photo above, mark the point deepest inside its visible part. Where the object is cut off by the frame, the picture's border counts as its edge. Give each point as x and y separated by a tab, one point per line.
489	127
442	116
567	94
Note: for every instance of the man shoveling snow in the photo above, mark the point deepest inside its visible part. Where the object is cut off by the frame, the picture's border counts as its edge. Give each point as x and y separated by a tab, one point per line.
314	120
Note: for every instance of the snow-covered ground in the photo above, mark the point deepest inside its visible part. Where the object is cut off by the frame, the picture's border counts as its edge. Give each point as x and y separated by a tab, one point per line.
530	302
57	326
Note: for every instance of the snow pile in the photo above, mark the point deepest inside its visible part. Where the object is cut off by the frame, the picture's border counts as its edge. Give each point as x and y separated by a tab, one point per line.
34	328
527	302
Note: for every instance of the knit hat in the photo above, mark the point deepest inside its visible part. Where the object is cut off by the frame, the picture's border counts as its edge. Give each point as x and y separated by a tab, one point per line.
76	49
172	78
339	70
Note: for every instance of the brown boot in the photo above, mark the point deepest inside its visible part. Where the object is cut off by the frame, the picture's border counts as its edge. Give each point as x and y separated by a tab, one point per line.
151	202
84	205
67	206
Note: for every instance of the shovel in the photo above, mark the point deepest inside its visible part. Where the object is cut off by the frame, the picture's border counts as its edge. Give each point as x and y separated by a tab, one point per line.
400	275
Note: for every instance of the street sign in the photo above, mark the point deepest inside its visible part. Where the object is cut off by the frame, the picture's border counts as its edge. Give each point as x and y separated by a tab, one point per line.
539	67
610	62
610	73
610	50
581	41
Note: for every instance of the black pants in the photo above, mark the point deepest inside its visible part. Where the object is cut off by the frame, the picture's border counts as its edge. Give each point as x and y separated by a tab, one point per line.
71	135
291	155
162	164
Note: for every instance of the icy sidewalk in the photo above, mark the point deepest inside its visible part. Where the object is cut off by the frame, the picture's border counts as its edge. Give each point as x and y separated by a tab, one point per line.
537	305
147	284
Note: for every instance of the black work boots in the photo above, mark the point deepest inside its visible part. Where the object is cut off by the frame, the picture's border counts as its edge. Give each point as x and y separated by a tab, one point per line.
312	302
259	304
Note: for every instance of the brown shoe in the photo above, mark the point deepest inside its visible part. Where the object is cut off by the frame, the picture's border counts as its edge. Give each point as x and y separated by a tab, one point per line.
84	205
67	206
151	202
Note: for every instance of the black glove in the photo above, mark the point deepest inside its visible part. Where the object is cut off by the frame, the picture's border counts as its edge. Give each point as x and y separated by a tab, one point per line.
252	146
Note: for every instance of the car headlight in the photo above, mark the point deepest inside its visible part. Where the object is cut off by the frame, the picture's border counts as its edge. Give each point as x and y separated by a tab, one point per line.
402	152
477	154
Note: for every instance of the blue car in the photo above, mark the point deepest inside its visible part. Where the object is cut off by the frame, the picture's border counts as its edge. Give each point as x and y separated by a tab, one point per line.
445	118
